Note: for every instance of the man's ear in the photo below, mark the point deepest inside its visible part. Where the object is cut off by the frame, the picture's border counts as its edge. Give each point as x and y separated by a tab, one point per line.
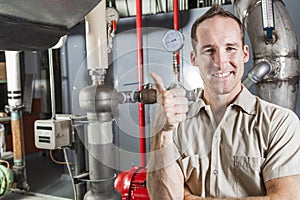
193	57
246	53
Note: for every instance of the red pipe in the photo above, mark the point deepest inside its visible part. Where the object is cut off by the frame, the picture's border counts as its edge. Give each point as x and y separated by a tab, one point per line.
140	62
176	11
176	27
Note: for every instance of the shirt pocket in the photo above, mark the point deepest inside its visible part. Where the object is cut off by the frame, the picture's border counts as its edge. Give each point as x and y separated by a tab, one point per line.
248	176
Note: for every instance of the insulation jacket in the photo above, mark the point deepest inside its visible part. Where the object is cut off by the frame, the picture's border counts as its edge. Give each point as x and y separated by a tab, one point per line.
13	80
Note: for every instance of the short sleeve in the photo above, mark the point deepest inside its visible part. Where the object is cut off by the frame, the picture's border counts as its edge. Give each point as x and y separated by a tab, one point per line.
283	155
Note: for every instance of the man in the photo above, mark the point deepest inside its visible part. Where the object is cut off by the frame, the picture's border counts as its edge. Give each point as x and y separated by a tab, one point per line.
228	144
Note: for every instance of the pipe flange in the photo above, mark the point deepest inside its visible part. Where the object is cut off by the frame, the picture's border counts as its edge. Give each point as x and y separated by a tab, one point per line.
10	109
99	180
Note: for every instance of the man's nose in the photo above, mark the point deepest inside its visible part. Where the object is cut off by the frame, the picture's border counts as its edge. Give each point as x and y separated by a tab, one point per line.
220	59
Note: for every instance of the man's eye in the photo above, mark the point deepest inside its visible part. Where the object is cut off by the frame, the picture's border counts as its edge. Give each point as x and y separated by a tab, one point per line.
209	51
231	49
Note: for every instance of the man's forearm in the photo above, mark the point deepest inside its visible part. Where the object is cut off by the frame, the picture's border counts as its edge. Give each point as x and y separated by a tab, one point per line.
166	183
164	176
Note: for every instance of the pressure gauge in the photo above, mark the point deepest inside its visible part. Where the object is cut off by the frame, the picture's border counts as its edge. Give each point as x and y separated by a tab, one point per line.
112	14
173	40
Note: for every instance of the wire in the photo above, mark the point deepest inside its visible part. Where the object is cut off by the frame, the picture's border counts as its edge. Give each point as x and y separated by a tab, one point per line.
70	173
6	162
57	162
69	169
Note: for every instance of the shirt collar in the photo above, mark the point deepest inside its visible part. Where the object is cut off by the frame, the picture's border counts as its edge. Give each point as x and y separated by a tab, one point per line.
245	100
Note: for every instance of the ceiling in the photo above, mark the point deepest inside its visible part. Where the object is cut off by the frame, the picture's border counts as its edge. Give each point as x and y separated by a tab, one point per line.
39	24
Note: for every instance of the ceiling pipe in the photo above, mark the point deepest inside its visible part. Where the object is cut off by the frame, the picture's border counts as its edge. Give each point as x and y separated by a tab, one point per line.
140	63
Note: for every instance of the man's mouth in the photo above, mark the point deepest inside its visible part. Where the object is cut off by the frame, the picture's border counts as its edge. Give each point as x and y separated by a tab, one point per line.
222	75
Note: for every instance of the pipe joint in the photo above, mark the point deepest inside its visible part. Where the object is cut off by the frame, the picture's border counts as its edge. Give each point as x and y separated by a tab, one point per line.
147	95
16	108
126	97
97	75
273	38
257	73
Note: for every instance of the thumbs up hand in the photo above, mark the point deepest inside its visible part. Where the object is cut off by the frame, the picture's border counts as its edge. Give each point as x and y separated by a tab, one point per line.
173	101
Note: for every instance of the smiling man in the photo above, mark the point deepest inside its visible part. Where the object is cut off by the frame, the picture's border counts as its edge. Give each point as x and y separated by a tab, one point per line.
229	144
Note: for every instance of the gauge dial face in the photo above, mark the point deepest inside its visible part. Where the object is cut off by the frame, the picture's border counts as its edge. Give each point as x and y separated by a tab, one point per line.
112	14
173	40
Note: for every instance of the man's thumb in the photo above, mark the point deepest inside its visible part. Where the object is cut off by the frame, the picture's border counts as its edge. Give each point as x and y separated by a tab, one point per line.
158	82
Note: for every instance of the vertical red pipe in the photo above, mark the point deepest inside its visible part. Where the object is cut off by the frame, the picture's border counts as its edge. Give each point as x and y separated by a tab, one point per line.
140	62
176	27
176	11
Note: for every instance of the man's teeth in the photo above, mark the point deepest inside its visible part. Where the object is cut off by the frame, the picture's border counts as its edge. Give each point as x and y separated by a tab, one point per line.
221	75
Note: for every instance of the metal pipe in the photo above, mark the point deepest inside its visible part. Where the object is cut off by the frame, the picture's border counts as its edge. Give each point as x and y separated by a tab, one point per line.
13	78
140	63
99	101
146	96
52	84
280	86
100	158
79	158
14	107
256	74
96	38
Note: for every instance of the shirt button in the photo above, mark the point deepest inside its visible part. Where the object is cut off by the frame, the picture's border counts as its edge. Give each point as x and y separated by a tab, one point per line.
215	172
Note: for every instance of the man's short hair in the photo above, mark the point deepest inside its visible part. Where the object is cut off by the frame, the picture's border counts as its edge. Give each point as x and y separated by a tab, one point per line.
215	10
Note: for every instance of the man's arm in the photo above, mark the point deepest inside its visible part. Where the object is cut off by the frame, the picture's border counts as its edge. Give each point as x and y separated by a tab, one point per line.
284	188
164	176
164	182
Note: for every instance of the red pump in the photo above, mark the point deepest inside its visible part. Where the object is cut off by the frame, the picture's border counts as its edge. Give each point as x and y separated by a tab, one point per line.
132	184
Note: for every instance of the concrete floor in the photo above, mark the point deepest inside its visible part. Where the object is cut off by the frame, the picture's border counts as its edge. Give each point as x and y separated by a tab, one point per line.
47	180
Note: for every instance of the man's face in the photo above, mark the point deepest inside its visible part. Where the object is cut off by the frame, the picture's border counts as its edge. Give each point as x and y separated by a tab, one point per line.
220	55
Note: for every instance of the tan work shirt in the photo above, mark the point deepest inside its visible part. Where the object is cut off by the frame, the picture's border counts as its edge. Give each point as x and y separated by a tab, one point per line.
255	141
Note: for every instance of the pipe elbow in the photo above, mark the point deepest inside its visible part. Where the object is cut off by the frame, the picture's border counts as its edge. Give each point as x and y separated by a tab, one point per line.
257	73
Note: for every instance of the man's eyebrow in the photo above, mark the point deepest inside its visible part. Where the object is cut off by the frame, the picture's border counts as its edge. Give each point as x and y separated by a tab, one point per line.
206	46
232	44
235	44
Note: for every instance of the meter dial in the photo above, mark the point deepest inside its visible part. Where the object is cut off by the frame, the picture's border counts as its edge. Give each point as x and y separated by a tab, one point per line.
173	40
112	14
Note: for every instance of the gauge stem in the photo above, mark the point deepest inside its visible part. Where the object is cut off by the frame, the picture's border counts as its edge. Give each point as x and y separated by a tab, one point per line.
176	69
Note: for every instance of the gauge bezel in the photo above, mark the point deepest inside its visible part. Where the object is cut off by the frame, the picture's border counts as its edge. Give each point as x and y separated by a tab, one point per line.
177	46
114	14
